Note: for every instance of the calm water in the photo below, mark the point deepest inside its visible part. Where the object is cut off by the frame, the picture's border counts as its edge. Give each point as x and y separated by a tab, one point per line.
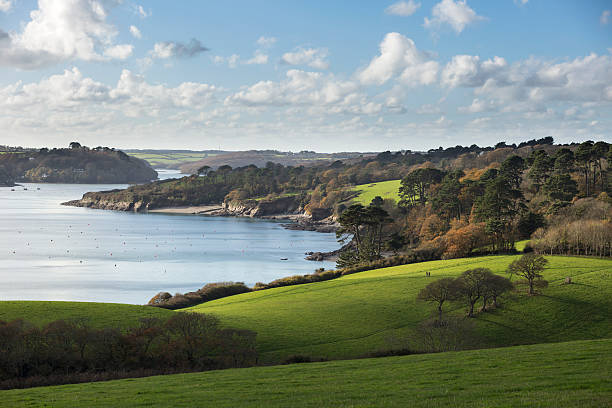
53	252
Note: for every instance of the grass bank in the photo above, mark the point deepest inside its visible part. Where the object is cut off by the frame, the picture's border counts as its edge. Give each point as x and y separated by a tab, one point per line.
543	375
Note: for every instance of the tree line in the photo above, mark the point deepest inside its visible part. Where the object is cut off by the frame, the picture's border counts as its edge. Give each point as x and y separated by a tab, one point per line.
65	351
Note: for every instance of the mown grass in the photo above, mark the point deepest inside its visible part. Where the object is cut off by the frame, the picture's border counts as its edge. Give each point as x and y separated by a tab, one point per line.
572	374
384	189
98	315
376	310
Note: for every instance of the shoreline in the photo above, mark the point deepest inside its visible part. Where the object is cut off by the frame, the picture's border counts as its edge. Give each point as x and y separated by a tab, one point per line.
197	209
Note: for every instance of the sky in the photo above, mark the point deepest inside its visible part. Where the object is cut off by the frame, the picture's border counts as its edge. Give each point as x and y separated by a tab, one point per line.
329	76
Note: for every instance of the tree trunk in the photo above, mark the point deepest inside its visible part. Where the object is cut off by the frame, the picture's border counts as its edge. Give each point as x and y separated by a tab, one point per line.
440	312
471	311
531	286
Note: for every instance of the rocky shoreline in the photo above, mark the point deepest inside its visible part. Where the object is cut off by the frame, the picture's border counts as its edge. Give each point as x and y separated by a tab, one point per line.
283	208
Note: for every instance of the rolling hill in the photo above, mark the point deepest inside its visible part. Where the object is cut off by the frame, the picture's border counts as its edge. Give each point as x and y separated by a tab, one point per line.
375	310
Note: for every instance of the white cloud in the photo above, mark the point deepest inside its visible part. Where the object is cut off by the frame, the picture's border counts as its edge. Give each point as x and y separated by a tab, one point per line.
403	8
320	93
468	71
521	2
457	14
5	5
232	61
135	32
400	58
258	58
140	11
478	105
120	52
170	49
60	30
605	17
312	57
266	42
532	85
71	92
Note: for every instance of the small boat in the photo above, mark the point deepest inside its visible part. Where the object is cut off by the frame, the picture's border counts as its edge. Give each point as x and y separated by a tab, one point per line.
284	259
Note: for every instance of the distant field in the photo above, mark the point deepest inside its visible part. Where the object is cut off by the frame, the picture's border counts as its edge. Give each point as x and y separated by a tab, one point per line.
385	189
170	160
96	314
573	374
375	310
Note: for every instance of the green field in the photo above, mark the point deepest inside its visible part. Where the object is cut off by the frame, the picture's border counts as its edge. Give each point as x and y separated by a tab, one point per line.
98	315
573	374
374	310
170	160
385	189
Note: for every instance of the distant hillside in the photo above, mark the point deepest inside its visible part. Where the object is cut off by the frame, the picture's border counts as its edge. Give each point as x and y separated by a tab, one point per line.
260	158
172	159
77	164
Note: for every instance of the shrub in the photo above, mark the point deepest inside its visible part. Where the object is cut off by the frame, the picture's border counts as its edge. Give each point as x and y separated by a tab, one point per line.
209	292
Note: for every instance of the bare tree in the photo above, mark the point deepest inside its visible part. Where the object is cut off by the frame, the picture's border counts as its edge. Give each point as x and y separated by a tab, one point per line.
495	286
530	267
472	286
439	292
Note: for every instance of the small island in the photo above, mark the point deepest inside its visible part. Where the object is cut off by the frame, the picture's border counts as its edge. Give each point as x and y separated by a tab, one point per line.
77	164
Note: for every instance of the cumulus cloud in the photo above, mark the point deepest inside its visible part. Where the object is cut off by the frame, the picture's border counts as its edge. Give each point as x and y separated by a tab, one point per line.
61	30
258	58
312	57
71	91
121	52
400	58
135	32
174	49
605	17
321	93
530	85
232	61
469	71
5	5
266	42
403	8
457	14
478	106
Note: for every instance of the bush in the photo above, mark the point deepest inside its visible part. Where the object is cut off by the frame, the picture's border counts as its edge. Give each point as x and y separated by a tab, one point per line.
209	292
299	358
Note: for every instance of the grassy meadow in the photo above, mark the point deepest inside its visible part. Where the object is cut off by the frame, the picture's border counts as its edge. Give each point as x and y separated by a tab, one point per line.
384	189
376	310
98	315
542	375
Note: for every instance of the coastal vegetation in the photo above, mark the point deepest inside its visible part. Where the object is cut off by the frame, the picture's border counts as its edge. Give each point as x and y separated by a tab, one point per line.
76	164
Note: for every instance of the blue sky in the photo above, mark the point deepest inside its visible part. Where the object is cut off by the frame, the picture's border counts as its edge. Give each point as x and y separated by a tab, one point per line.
316	75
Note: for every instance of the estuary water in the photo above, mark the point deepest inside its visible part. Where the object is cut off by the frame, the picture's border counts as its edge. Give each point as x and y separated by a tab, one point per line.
53	252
